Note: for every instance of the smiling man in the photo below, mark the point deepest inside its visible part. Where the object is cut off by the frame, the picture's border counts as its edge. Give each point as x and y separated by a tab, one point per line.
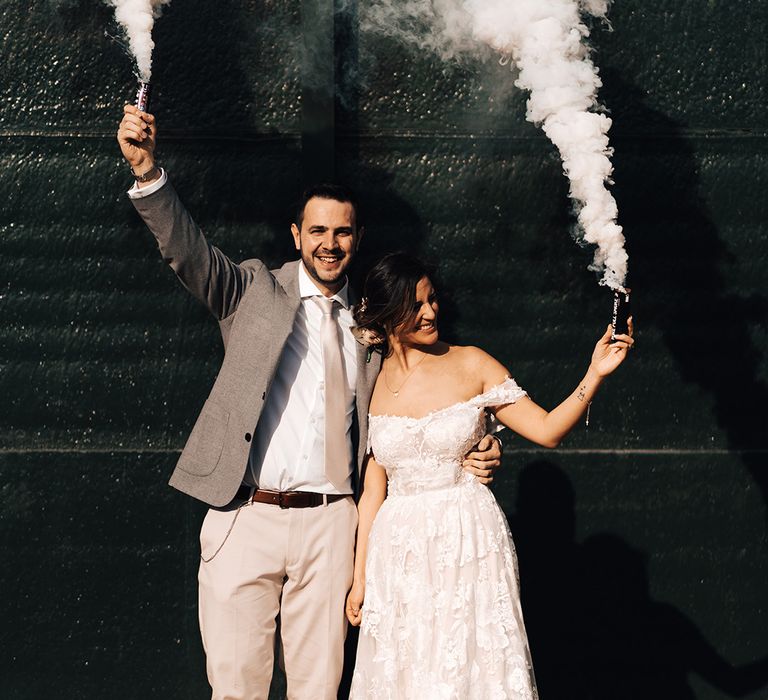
279	445
328	217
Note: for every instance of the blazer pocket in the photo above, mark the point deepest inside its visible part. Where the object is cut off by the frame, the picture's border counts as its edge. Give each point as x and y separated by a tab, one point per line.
205	444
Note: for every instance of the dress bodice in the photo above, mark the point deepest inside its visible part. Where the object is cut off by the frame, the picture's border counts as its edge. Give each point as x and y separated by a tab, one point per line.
424	454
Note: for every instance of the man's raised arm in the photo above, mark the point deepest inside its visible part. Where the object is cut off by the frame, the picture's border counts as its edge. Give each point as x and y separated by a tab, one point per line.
202	268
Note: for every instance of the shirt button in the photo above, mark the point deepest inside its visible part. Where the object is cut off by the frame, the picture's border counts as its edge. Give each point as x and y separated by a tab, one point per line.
247	437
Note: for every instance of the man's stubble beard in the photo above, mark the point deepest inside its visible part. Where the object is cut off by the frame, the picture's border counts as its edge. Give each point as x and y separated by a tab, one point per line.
309	265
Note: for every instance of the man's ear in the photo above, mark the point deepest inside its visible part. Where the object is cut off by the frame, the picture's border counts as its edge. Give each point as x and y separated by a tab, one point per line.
296	236
360	234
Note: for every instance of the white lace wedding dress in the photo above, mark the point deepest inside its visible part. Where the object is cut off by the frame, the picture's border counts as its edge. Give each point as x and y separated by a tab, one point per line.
441	616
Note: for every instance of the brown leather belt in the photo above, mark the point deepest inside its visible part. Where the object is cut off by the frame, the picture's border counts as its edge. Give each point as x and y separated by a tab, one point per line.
287	499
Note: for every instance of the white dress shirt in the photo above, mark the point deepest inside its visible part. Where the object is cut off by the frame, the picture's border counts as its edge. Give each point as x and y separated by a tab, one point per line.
288	450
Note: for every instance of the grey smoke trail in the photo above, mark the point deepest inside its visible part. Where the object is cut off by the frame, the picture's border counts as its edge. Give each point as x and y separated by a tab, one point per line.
546	41
137	17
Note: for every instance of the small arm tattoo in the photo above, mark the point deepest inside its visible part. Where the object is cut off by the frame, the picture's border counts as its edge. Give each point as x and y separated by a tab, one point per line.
581	396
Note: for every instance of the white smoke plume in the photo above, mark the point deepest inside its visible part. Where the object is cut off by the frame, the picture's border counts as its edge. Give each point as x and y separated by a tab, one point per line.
546	40
137	17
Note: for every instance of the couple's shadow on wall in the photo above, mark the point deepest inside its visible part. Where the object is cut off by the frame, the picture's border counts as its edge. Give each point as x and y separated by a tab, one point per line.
595	631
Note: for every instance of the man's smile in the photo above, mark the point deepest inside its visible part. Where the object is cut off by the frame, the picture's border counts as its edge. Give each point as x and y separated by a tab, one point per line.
329	260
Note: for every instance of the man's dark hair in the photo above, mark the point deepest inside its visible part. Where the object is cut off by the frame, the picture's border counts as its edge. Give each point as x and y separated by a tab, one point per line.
326	190
389	293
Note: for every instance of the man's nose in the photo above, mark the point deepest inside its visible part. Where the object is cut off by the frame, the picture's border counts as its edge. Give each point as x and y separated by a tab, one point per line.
329	241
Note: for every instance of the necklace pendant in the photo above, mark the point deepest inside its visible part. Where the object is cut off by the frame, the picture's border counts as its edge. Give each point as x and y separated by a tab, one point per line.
396	393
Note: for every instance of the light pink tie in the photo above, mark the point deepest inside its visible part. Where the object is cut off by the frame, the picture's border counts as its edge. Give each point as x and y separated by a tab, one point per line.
336	455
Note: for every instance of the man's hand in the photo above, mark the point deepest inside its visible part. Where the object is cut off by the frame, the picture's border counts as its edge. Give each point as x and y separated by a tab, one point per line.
484	459
137	136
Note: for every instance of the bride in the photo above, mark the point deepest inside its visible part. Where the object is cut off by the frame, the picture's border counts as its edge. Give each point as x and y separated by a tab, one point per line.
435	588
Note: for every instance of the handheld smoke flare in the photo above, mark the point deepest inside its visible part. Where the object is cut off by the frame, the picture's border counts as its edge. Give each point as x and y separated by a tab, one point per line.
142	96
621	313
137	18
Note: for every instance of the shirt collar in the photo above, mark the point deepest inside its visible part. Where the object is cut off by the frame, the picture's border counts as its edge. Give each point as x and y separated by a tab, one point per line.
307	288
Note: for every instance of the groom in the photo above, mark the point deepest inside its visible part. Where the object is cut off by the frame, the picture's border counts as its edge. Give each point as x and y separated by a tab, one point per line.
279	444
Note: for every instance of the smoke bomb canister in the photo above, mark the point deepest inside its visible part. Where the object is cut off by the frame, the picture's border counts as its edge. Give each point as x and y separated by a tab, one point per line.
621	313
142	96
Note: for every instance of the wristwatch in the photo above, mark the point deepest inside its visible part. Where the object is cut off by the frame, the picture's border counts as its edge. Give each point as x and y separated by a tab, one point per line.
147	176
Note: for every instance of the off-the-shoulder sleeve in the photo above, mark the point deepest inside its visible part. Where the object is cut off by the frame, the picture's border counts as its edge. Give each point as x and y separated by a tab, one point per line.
506	392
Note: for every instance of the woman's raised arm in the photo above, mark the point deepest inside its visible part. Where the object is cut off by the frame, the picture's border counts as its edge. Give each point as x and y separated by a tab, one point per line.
548	428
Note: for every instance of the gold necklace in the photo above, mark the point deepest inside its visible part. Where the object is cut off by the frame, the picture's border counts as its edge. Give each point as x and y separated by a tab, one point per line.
408	376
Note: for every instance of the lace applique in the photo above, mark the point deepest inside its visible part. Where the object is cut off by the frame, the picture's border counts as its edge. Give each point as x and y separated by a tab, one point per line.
501	394
426	452
505	393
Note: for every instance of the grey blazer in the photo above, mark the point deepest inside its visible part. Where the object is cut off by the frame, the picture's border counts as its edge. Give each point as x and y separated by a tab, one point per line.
255	308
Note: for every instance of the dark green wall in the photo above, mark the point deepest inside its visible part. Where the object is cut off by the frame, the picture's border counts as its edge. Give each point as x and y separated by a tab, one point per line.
642	541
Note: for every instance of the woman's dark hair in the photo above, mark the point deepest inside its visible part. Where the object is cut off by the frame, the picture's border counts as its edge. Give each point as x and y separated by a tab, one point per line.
389	292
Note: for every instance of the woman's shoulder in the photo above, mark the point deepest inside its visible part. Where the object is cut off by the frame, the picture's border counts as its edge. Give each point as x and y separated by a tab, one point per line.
480	365
470	355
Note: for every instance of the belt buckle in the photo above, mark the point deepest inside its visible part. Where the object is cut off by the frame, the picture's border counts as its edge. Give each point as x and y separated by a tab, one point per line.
280	501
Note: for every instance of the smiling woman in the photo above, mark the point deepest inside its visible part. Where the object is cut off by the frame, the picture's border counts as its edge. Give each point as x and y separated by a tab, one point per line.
399	295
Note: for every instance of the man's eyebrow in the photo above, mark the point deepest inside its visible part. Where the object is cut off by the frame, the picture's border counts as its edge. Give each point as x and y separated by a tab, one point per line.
318	227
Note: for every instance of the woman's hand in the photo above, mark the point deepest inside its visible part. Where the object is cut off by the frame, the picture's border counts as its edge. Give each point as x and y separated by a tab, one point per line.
354	607
609	355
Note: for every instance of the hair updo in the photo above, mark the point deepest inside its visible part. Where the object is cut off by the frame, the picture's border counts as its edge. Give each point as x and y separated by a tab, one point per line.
389	292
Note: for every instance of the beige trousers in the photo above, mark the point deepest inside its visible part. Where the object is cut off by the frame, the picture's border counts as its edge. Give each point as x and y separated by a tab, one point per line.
295	561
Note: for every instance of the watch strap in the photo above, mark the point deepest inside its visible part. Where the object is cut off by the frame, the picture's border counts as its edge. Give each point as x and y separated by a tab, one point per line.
147	176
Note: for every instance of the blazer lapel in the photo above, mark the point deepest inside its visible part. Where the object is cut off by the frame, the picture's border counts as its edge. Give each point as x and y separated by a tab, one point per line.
368	366
285	313
287	301
288	277
367	371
